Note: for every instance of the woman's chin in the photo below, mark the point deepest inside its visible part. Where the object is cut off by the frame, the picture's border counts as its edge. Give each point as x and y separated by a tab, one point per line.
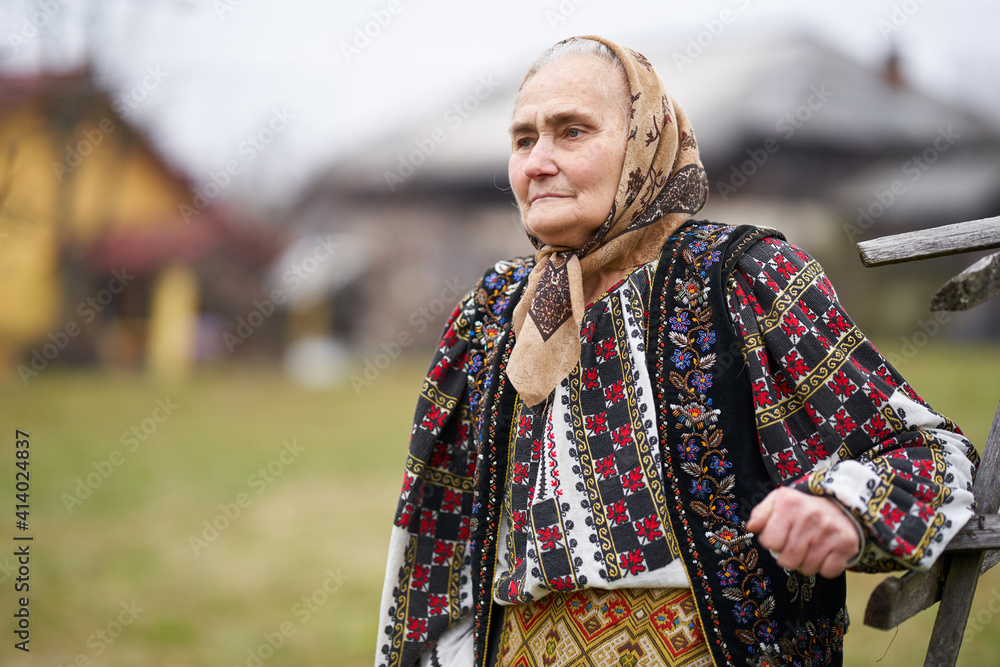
553	232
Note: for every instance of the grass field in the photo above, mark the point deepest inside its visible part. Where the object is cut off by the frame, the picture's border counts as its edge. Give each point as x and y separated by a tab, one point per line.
125	572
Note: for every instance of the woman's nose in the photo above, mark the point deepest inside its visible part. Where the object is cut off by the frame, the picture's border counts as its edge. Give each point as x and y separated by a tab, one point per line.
541	161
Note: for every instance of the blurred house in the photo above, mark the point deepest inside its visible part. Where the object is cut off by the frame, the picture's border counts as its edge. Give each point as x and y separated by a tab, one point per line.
794	135
106	253
798	136
429	209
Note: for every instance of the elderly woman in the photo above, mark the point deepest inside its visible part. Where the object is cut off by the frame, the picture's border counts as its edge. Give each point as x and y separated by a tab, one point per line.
642	446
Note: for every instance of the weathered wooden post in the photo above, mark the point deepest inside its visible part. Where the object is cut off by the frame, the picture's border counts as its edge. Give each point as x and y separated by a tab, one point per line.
954	577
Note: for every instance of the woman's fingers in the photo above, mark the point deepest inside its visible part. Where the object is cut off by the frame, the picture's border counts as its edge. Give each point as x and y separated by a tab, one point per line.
833	565
774	526
810	534
760	514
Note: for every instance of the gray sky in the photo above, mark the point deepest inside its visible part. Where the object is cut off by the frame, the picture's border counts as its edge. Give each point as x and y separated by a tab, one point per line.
202	76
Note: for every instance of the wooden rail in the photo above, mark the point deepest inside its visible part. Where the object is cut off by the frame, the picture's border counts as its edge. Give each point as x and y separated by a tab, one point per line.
961	237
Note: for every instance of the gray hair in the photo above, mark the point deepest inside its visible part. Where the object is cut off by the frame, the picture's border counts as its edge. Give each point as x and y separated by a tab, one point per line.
579	46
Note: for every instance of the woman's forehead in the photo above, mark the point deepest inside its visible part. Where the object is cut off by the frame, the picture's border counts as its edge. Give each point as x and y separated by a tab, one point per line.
575	81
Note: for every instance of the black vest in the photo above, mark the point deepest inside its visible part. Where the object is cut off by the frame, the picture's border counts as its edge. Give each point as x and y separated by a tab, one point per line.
752	611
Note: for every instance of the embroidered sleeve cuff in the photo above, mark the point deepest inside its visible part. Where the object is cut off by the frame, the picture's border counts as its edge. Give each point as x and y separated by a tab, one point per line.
862	538
810	484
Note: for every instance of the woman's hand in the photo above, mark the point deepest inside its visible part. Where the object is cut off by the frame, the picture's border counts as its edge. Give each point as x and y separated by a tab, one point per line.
806	533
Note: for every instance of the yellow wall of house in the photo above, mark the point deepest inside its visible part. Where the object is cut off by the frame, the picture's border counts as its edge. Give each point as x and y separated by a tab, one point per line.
66	190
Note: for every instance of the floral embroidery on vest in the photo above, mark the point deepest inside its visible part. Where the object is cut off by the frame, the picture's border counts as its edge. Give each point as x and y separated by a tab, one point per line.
724	561
712	480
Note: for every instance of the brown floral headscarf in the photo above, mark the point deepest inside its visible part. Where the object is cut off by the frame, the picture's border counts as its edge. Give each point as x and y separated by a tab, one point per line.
662	184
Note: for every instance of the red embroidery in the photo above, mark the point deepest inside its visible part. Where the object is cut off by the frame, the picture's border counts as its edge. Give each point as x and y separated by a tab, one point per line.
632	561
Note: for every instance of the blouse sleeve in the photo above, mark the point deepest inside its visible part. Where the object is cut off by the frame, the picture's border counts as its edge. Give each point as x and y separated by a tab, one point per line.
834	418
428	589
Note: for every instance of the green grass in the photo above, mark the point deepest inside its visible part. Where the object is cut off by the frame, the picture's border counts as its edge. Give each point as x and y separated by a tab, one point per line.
328	510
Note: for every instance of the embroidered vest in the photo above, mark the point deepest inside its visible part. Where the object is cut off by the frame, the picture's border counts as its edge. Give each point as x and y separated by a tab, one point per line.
752	611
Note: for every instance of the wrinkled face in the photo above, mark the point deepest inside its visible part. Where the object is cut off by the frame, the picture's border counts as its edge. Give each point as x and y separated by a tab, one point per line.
568	147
